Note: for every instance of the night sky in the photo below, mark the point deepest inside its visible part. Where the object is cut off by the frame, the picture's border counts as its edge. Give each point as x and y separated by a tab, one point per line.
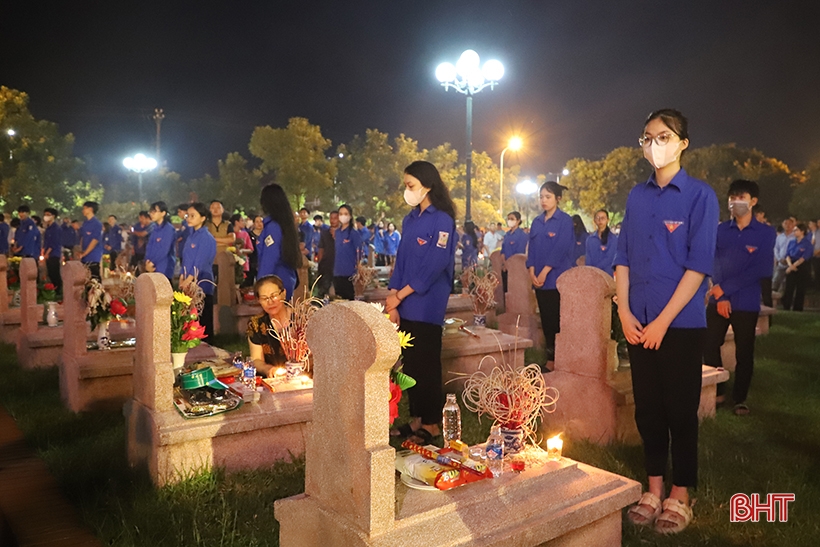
580	76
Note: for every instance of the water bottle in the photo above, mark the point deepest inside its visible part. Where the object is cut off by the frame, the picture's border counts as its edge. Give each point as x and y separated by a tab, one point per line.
495	451
249	375
237	361
451	417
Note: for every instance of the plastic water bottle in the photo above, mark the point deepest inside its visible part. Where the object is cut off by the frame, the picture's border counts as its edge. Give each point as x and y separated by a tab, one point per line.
249	375
237	361
495	451
451	418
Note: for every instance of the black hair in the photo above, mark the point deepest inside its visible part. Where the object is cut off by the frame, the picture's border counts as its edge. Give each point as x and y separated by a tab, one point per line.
578	224
198	206
219	201
268	279
183	206
37	220
802	227
235	217
144	214
334	211
742	186
362	221
605	233
113	216
553	188
516	214
319	217
14	222
93	205
2	217
349	210
305	209
275	204
389	223
672	119
469	229
24	209
51	211
162	208
429	177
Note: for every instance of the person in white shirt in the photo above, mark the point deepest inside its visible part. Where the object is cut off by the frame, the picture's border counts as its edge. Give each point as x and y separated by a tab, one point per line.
781	245
492	241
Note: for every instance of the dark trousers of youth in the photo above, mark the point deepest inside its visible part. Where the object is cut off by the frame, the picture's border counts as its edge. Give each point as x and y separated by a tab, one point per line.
666	385
53	269
795	291
743	324
344	287
422	362
549	306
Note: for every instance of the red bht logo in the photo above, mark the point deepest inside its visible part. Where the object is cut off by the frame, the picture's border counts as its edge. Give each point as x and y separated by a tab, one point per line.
744	509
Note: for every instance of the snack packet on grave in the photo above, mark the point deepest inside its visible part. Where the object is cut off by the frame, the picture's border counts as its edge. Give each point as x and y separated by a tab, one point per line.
428	472
466	461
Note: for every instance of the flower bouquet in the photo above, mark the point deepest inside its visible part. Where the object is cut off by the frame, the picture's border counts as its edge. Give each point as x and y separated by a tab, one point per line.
186	332
47	293
293	336
399	381
13	278
101	307
480	285
363	278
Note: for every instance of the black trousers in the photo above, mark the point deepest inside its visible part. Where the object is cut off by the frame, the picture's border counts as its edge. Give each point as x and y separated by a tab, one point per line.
344	287
324	283
666	385
95	269
549	306
815	264
422	362
53	269
795	291
112	260
504	280
743	324
206	318
766	291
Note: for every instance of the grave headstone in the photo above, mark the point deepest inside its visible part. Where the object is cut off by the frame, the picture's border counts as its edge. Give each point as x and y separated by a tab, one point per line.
37	347
520	315
495	265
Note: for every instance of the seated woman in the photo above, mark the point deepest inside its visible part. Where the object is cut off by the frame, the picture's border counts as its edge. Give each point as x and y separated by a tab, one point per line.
265	350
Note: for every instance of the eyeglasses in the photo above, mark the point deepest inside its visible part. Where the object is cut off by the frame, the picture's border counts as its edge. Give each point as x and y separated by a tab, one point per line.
276	297
660	140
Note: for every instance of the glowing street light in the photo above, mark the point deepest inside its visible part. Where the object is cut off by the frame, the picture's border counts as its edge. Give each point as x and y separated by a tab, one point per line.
11	133
526	188
140	164
468	77
514	145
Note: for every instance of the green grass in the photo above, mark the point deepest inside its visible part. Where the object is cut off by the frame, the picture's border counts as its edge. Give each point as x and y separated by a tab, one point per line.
774	449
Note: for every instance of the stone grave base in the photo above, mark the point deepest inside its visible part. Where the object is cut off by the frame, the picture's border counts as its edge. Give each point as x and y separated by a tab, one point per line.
458	305
44	347
525	326
605	412
98	380
254	436
564	503
462	354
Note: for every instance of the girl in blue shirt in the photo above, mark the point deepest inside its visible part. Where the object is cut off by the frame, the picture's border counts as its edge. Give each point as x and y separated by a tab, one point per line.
551	253
601	244
348	253
391	240
581	236
798	272
159	250
419	290
277	247
197	262
469	246
514	243
666	248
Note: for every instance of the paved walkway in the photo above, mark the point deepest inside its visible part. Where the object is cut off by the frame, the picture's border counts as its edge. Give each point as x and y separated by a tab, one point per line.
33	511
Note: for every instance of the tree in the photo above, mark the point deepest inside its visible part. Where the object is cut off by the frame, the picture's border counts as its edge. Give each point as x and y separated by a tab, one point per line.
366	174
606	183
240	186
37	165
805	203
296	157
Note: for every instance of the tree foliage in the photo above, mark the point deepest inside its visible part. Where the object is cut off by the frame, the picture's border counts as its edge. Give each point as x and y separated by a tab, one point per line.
805	203
605	183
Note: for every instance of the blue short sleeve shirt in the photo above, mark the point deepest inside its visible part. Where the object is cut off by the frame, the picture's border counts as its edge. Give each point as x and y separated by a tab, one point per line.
599	254
198	258
269	252
551	243
53	240
348	251
92	230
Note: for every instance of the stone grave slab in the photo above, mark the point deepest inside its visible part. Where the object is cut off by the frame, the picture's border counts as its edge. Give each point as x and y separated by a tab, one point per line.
520	315
461	353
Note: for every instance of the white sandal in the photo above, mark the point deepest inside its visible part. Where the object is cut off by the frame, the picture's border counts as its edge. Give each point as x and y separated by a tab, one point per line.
676	513
641	516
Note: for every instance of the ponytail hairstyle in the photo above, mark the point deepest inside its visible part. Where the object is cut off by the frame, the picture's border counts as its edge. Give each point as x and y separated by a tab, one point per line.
162	208
469	229
605	233
429	177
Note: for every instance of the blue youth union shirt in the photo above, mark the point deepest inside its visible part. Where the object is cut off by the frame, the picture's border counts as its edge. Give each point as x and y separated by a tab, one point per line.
91	230
160	248
269	252
515	243
4	238
426	261
600	255
804	249
742	259
113	238
551	243
348	251
53	240
469	252
198	258
27	236
665	232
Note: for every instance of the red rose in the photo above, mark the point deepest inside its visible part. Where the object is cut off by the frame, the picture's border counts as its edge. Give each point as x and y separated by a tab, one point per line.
395	397
118	308
49	286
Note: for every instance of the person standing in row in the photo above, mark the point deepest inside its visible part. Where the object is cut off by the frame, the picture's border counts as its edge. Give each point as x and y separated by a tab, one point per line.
139	238
53	248
27	236
4	235
184	230
306	230
665	251
391	243
743	257
514	243
469	247
197	261
257	225
91	238
601	244
278	245
68	238
220	227
581	236
380	243
348	253
798	268
551	253
112	241
326	256
159	251
244	247
419	291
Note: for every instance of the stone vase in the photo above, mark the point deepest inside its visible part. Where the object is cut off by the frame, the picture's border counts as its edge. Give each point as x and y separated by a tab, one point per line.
51	314
103	338
480	319
513	440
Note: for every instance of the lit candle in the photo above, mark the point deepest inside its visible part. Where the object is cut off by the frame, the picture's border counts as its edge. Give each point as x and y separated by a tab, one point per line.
280	372
554	447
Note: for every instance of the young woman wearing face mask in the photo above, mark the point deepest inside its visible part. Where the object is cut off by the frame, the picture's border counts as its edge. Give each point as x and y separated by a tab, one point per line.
601	244
798	271
743	257
159	249
551	253
666	249
392	239
515	242
277	247
419	290
469	246
197	258
348	253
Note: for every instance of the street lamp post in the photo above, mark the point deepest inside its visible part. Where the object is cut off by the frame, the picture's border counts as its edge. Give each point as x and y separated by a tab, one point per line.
514	145
140	164
469	78
11	133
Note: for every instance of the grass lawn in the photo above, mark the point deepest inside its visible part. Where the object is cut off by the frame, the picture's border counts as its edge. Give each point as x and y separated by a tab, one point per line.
776	449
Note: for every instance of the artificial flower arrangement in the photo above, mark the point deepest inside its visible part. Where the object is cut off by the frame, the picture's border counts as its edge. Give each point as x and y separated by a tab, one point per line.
365	275
100	305
47	292
239	263
186	332
480	285
293	336
13	275
399	381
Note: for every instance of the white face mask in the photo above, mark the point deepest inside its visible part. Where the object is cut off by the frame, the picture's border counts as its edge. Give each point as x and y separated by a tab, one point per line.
512	223
344	219
48	218
414	198
661	156
739	208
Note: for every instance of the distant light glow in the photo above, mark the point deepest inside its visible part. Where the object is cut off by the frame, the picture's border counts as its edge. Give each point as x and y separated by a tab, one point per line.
467	63
515	144
11	132
446	72
565	172
493	70
140	163
526	187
